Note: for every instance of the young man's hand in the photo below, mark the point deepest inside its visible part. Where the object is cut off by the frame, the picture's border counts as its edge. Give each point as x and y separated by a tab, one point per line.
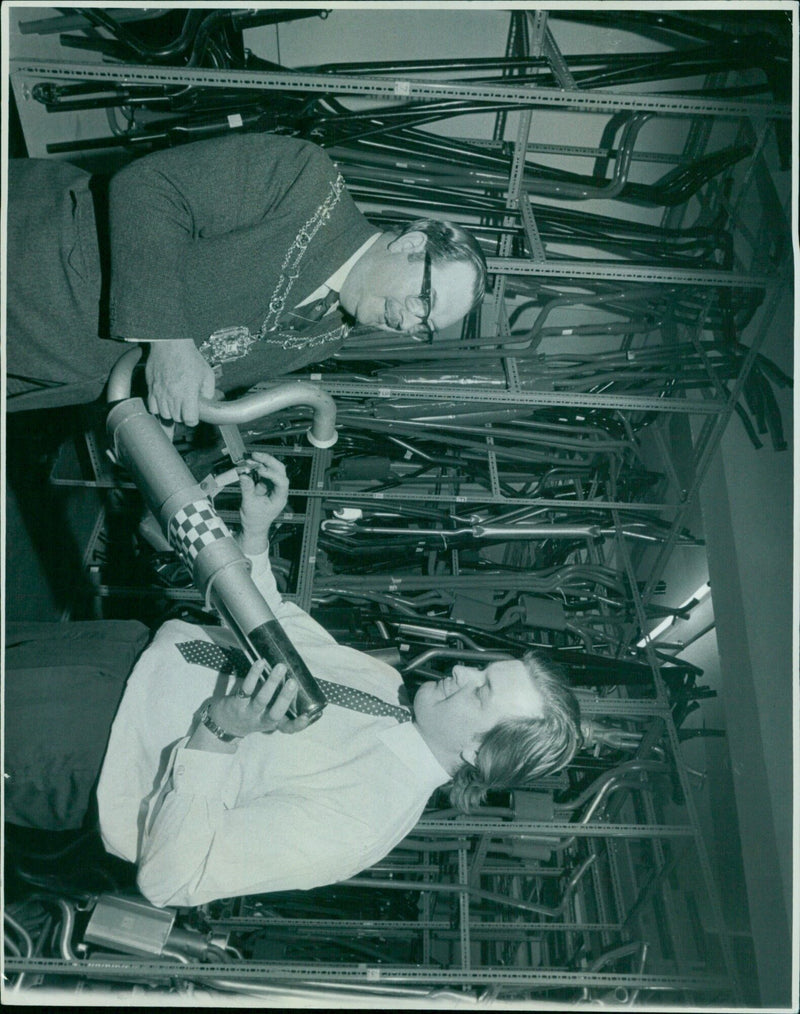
263	499
251	708
177	377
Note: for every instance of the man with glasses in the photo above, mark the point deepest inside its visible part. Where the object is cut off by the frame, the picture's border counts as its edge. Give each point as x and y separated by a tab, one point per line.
420	281
233	260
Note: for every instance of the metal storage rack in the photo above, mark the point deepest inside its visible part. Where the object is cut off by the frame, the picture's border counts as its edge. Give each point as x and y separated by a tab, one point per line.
534	906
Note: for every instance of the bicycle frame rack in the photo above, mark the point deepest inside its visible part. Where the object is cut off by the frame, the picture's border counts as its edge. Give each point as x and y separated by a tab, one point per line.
542	901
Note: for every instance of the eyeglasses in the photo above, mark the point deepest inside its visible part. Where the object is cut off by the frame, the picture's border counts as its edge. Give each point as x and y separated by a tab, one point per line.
423	302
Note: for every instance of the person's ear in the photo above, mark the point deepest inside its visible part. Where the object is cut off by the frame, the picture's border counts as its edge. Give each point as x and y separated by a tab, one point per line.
408	243
469	754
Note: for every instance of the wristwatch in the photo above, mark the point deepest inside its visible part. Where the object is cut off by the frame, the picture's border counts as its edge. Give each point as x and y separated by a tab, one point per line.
206	720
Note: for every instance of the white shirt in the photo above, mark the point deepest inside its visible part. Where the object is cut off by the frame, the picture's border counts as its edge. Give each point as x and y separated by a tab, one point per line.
337	279
284	811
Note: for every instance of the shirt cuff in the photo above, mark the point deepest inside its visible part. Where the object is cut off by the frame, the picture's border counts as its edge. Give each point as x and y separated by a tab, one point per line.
264	579
201	772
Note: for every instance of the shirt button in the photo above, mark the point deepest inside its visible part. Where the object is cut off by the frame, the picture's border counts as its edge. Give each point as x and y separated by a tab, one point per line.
180	769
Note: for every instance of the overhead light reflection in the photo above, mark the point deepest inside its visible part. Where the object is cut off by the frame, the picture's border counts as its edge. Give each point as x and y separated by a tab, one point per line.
690	603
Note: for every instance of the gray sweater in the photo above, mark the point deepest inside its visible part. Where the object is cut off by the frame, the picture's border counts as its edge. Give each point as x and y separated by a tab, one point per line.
212	241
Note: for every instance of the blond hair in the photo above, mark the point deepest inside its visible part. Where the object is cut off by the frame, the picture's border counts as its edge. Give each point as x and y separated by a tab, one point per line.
518	751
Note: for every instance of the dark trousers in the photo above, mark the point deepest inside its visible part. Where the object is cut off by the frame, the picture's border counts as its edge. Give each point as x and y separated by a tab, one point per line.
55	287
63	683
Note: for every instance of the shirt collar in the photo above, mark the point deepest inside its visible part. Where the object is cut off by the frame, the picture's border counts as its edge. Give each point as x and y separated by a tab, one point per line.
406	742
336	280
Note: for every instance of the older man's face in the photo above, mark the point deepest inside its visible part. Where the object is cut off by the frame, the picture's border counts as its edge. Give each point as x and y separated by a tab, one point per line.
387	289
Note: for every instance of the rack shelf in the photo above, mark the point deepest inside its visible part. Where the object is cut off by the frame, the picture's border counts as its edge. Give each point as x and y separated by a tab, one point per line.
646	855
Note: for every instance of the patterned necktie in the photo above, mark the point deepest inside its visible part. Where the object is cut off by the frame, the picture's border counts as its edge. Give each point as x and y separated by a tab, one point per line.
233	660
315	311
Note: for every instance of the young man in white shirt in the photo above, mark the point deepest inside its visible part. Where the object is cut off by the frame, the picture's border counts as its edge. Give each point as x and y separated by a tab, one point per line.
204	790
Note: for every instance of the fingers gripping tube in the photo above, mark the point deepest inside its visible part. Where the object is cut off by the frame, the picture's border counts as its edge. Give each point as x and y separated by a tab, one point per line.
194	529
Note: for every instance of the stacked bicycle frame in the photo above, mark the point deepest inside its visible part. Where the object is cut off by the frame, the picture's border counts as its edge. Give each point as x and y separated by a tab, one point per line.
493	490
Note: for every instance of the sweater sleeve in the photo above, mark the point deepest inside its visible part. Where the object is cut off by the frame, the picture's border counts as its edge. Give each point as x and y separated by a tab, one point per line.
163	205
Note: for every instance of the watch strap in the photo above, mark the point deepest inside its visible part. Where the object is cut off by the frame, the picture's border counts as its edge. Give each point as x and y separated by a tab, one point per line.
206	720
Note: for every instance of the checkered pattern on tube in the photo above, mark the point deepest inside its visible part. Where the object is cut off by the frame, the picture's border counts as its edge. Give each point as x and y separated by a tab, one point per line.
195	526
